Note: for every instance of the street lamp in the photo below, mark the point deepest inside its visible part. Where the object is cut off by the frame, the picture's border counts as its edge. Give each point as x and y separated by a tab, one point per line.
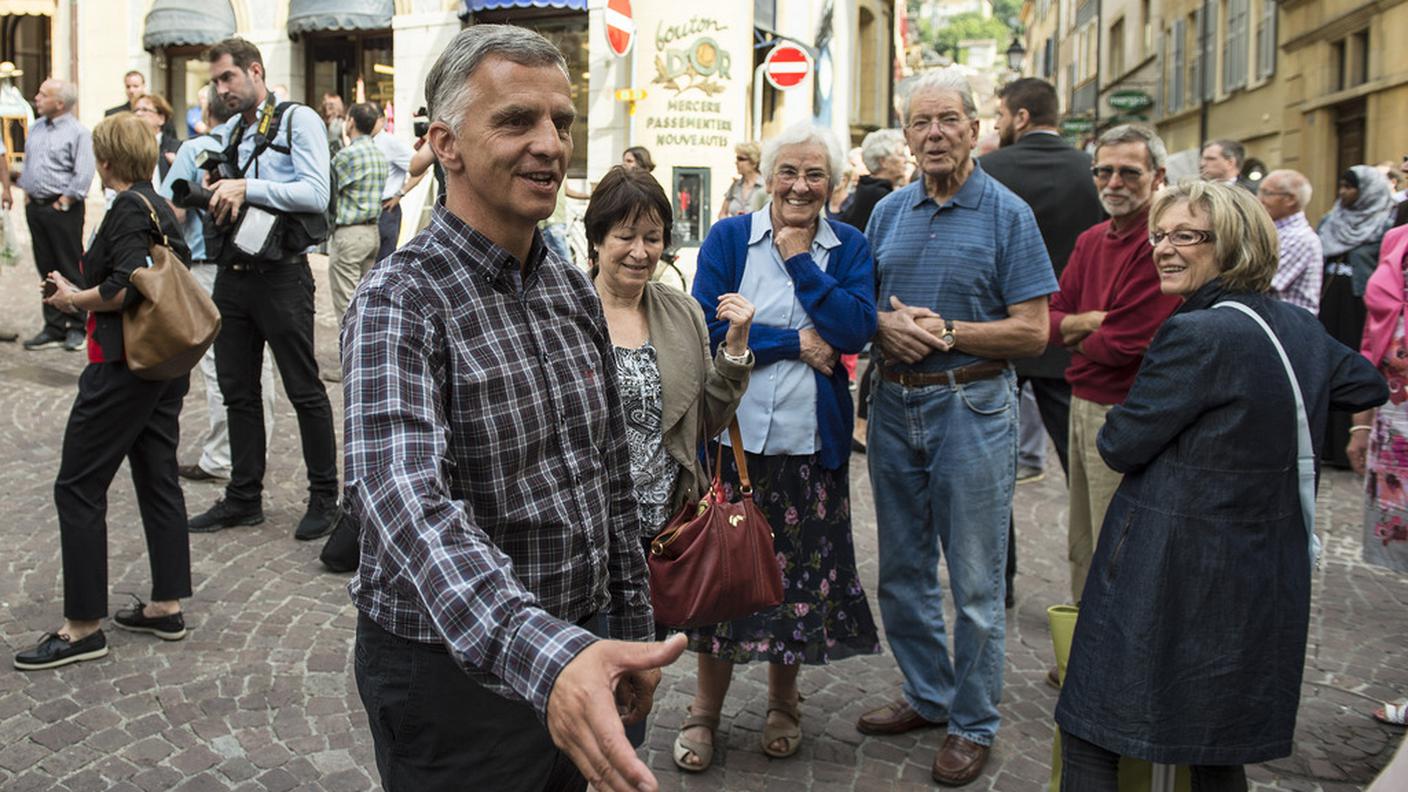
1015	54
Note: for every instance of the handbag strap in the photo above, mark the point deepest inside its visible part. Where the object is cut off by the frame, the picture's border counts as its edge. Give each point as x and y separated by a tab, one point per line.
1305	451
156	222
735	438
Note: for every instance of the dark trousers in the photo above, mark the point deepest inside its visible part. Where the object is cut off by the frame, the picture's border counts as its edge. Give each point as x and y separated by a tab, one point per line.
1053	401
274	304
58	245
1086	767
434	728
388	227
119	416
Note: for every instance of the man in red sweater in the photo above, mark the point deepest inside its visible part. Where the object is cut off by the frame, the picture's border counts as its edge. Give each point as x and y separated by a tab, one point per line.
1106	313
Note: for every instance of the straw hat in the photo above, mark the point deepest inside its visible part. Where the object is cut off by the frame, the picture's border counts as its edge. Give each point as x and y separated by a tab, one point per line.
7	69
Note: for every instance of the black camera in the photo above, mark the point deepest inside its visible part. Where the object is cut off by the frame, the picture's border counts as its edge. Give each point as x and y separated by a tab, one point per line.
189	194
420	123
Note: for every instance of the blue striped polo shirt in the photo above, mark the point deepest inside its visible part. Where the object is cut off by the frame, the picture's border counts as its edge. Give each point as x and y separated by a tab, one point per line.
966	260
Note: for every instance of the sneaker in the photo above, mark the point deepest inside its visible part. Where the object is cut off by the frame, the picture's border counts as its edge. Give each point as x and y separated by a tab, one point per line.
135	618
225	514
46	339
319	520
197	473
75	340
55	650
1028	475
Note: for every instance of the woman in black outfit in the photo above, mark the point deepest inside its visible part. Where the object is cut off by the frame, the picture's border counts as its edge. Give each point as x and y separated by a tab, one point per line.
117	416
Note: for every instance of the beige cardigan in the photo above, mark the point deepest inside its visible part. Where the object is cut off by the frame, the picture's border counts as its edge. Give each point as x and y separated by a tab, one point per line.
699	394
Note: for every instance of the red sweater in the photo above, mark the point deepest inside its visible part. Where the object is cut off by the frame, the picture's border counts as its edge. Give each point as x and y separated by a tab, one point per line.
1111	271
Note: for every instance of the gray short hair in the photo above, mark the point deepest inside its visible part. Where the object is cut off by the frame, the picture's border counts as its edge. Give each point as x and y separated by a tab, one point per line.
880	145
1293	182
949	79
446	87
1136	133
802	133
67	92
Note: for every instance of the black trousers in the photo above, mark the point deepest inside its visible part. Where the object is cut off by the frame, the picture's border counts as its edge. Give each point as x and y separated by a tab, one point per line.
1086	767
388	227
274	304
119	416
58	245
435	729
1053	401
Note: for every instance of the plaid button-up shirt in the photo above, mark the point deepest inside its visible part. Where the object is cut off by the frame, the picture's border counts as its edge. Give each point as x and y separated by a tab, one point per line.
359	172
486	459
1300	270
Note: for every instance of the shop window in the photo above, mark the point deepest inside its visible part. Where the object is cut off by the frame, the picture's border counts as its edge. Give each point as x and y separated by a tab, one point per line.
690	191
337	62
181	73
24	41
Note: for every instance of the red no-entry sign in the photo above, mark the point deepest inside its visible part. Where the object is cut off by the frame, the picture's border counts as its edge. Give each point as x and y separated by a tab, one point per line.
786	66
620	27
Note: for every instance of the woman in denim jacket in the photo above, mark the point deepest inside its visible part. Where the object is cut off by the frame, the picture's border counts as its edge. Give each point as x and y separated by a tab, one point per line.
1192	630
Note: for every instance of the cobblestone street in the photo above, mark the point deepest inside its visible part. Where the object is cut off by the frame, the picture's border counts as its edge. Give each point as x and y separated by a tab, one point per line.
261	696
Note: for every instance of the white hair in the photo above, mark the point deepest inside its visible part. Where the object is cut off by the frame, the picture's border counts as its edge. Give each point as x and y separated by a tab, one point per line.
881	145
1136	133
1293	182
447	85
949	79
802	133
65	92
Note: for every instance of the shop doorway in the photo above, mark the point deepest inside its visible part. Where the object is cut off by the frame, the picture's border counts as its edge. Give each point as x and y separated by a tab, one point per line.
1350	121
338	61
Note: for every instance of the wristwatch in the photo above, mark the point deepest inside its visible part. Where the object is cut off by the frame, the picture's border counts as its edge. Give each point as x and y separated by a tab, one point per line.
948	336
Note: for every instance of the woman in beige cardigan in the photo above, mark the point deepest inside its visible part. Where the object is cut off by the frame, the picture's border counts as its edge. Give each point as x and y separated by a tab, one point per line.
673	395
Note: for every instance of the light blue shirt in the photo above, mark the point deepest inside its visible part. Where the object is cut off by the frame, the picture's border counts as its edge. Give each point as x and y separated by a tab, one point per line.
184	167
58	159
778	411
293	182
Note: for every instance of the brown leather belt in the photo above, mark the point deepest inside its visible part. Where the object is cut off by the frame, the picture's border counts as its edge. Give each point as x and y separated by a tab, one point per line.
958	376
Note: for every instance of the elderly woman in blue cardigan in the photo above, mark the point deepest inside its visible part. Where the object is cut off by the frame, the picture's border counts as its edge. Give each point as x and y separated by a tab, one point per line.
812	284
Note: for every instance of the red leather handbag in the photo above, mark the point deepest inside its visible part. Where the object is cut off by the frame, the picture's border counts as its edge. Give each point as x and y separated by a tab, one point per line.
714	561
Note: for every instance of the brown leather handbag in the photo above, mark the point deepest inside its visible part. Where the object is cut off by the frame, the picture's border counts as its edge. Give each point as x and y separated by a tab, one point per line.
714	561
165	334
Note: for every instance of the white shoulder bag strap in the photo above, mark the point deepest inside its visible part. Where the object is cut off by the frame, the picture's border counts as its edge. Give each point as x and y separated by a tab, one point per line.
1305	451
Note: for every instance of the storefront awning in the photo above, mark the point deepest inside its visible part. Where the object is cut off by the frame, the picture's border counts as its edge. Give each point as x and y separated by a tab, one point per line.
176	23
478	6
310	16
31	7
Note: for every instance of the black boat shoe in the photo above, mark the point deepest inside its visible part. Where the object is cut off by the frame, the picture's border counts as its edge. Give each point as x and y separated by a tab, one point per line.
55	650
135	618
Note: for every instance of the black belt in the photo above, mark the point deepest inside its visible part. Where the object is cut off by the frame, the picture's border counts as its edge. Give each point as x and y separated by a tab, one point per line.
265	266
958	376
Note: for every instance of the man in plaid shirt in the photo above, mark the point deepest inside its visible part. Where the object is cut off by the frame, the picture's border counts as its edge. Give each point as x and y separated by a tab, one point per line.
359	173
487	465
1300	271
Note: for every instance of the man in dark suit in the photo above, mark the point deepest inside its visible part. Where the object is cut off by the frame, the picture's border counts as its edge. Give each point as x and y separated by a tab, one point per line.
1054	179
1222	161
134	84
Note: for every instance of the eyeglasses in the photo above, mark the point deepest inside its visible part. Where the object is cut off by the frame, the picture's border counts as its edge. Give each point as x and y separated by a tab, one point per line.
1181	237
786	176
144	110
741	158
947	121
1264	191
1104	172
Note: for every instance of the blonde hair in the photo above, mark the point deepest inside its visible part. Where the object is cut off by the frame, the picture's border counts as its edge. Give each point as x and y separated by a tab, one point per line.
127	145
1244	245
751	150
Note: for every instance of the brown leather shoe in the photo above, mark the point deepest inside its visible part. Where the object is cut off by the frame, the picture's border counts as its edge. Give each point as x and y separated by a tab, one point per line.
959	761
1053	677
897	717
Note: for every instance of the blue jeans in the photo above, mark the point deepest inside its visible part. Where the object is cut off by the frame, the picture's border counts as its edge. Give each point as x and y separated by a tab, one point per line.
957	445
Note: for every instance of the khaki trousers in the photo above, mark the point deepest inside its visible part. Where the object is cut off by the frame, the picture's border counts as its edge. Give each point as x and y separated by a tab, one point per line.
351	253
1092	486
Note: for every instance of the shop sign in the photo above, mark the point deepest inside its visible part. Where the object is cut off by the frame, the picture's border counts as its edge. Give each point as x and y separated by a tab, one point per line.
620	27
786	66
1131	100
1076	126
698	64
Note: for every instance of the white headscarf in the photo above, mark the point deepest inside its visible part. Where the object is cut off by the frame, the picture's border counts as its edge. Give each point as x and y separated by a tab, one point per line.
1344	229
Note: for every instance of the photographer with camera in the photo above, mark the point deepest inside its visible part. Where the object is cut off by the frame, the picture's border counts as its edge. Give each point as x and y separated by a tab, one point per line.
269	200
182	189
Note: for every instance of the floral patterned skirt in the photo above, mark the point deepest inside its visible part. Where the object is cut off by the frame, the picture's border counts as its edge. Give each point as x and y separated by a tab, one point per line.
824	615
1386	485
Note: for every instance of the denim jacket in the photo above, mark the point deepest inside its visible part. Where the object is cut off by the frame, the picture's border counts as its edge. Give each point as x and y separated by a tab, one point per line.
1191	636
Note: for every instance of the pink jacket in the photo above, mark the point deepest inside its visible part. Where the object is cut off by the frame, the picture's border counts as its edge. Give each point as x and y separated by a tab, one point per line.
1384	297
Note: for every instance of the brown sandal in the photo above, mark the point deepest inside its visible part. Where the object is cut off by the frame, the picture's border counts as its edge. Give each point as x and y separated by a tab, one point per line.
685	746
791	735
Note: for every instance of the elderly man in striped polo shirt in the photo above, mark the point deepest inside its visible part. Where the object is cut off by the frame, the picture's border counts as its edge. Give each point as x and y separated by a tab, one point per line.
962	267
